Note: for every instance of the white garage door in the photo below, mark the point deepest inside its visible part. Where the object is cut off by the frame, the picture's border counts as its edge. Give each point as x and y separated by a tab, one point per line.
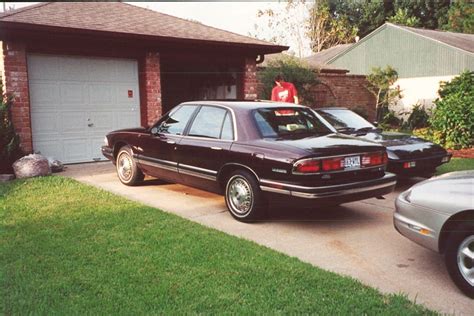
75	101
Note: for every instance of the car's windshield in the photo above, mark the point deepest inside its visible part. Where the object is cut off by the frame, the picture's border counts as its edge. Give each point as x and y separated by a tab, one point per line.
289	122
345	120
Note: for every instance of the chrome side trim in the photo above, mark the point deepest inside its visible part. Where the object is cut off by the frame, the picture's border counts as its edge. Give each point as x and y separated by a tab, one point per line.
327	194
197	174
196	168
157	165
342	192
275	190
281	184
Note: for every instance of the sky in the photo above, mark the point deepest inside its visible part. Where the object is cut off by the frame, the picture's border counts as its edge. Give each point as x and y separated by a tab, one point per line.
238	17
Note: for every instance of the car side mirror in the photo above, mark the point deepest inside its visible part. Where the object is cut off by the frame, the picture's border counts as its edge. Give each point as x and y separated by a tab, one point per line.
375	123
154	131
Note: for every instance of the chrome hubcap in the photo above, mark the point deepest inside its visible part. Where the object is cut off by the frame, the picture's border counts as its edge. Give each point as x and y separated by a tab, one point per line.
240	196
124	166
466	259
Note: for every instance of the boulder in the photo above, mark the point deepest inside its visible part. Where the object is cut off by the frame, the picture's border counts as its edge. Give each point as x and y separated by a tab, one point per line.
55	165
33	165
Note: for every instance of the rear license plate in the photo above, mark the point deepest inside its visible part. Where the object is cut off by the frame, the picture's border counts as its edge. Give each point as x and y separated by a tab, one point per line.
352	162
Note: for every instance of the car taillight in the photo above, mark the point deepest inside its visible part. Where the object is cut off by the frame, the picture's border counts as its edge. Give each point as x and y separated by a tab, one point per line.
308	166
333	164
374	159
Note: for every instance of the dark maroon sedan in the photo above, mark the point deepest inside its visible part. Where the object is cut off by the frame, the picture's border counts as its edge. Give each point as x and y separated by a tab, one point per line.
251	151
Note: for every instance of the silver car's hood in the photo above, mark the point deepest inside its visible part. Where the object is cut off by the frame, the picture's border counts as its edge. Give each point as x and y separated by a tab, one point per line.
448	193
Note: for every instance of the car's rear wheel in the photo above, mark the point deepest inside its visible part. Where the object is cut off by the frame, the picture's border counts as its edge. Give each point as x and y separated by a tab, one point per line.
244	198
127	169
459	258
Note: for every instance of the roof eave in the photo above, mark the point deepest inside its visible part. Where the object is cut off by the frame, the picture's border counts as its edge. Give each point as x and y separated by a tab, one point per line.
5	26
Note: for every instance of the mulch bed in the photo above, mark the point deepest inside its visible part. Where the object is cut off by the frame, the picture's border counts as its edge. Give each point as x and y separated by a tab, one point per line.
462	153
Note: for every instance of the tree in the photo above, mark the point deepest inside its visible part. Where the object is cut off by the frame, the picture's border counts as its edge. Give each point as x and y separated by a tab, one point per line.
9	140
325	30
285	26
381	86
292	70
461	17
401	17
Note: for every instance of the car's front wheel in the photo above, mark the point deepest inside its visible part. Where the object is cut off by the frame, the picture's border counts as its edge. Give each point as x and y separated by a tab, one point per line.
460	259
127	169
244	198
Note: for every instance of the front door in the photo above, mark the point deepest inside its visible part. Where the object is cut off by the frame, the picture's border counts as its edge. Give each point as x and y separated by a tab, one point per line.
157	152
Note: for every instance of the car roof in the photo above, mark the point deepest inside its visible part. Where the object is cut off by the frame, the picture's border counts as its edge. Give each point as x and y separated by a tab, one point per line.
245	105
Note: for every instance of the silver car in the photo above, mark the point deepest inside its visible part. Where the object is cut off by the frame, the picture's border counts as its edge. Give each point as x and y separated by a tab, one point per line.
439	214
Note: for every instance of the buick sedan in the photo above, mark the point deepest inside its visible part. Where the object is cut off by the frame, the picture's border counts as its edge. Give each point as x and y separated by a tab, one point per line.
251	152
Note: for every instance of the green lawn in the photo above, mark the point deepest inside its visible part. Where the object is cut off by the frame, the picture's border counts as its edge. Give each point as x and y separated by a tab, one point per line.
67	248
456	164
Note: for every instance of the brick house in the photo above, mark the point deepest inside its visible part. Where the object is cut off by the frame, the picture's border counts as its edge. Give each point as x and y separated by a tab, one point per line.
79	70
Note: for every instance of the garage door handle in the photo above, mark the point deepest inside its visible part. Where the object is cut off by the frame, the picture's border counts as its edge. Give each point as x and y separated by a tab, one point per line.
90	124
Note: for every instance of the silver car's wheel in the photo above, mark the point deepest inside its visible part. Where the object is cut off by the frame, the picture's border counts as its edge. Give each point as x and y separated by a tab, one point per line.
466	259
243	197
460	258
127	170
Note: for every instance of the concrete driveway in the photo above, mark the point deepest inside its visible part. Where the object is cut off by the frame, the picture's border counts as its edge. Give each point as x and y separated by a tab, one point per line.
356	239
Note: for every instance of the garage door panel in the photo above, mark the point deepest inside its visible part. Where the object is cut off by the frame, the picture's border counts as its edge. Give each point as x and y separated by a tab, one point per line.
72	94
76	149
45	94
50	148
127	71
45	123
73	69
102	94
75	101
43	68
96	144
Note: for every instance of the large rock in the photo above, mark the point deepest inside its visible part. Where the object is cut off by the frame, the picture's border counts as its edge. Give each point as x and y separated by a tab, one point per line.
31	166
55	165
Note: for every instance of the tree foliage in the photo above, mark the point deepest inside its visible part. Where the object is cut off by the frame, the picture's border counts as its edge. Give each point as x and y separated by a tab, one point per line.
461	17
381	86
9	140
292	70
401	17
452	122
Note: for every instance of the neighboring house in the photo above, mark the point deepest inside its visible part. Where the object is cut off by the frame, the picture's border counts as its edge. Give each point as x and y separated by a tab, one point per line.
320	59
79	70
421	57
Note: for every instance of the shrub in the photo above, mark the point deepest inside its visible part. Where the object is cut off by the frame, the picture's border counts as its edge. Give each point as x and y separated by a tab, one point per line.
292	70
9	140
390	121
453	118
418	118
362	111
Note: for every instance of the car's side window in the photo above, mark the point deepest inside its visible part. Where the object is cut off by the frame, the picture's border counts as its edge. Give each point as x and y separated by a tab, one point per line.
177	121
208	122
227	131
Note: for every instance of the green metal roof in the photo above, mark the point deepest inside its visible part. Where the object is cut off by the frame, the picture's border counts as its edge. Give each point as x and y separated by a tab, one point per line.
412	52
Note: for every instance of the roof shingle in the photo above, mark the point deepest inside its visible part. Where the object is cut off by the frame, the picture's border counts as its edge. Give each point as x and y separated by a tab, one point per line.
118	17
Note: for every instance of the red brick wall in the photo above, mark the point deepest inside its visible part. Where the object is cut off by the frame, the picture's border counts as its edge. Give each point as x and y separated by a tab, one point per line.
150	88
16	85
250	79
345	90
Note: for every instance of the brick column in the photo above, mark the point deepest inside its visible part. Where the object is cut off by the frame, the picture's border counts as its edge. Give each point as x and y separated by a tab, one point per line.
16	85
150	88
250	79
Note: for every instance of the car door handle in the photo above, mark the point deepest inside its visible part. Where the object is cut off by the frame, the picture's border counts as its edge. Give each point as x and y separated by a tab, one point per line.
216	148
169	141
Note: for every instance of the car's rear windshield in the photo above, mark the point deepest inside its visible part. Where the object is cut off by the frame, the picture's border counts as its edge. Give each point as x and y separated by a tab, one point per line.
289	122
345	119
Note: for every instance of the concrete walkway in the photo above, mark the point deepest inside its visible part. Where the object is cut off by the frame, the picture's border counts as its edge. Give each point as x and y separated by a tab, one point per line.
356	239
